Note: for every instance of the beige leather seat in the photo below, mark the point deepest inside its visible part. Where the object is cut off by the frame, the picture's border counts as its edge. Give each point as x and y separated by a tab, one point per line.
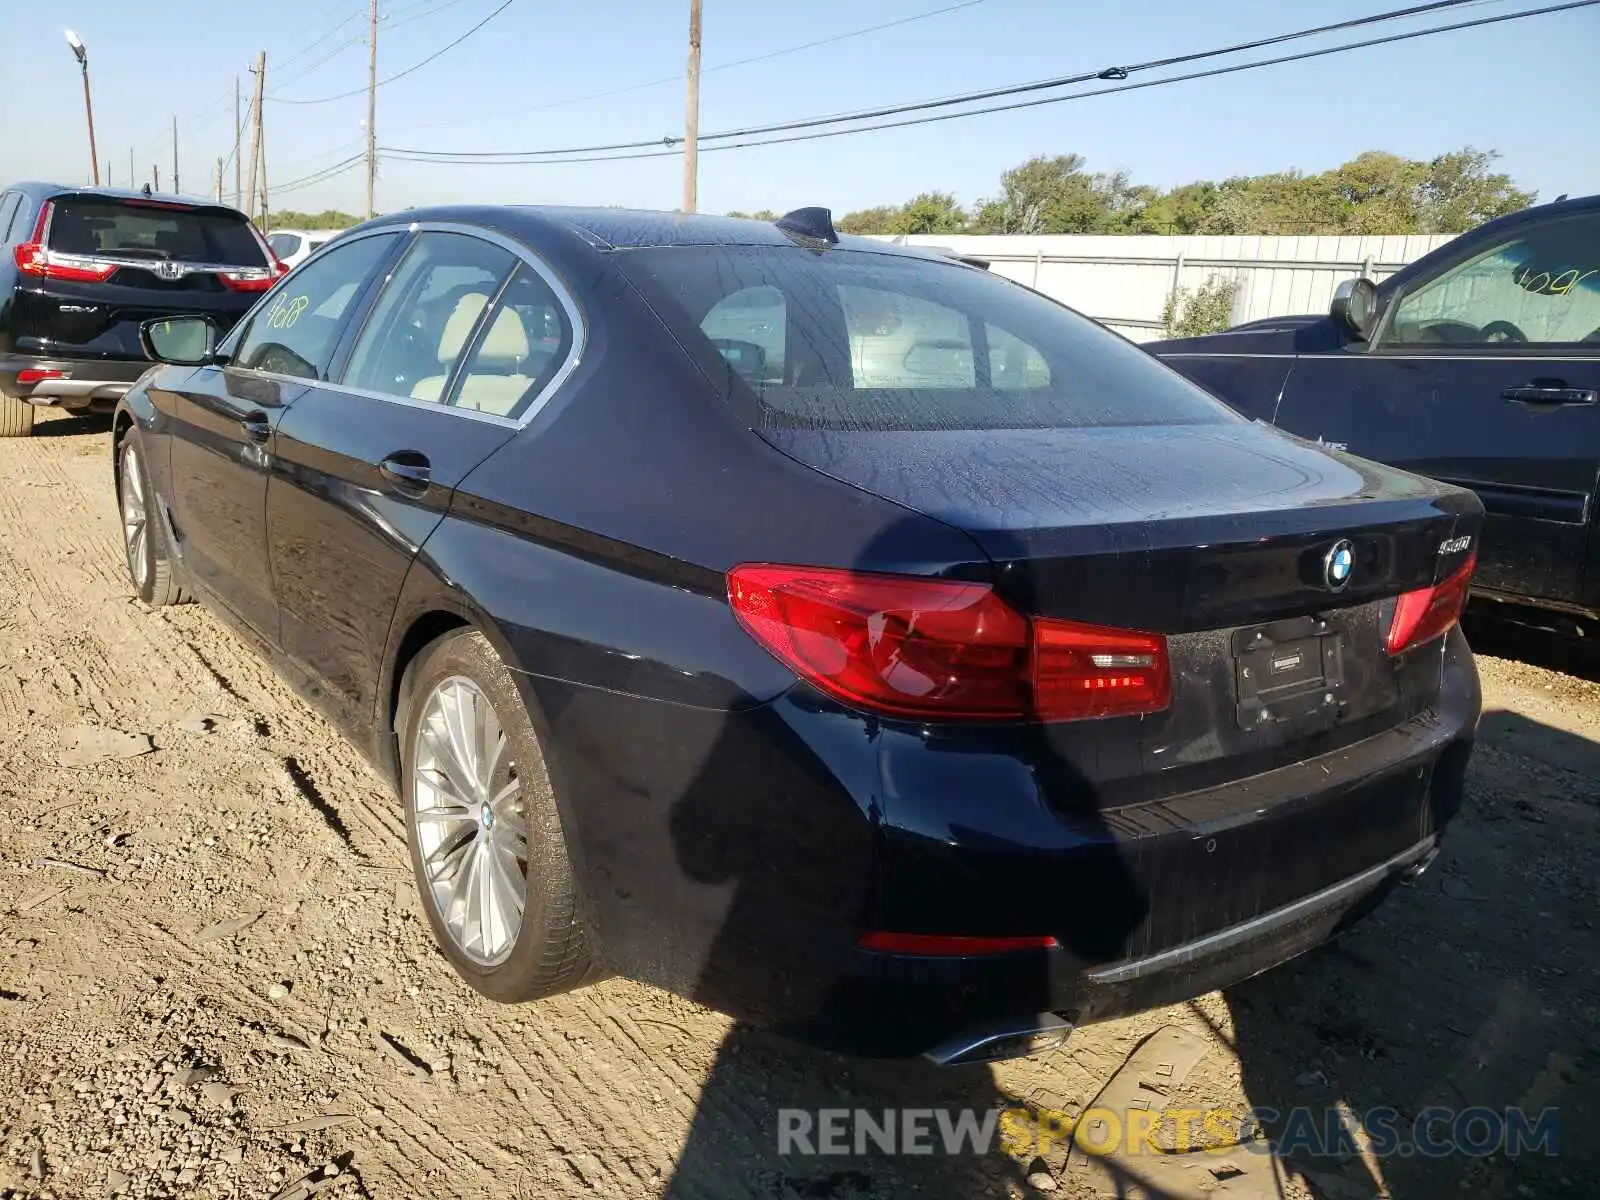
495	381
456	331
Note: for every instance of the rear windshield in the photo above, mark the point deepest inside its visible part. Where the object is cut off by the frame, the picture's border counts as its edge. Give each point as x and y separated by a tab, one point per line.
129	229
844	339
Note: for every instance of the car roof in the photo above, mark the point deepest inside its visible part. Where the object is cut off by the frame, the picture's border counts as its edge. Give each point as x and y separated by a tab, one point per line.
39	188
631	229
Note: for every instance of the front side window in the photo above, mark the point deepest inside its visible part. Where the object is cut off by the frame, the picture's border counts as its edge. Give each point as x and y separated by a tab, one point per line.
1540	287
848	340
296	328
427	314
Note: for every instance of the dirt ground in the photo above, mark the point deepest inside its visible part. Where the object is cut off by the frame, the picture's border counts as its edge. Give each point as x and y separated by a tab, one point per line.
214	978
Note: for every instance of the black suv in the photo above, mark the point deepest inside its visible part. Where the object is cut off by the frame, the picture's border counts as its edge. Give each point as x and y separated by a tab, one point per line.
1479	364
82	267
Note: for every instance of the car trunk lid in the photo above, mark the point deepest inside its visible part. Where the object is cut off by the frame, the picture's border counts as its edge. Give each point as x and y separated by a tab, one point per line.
1222	537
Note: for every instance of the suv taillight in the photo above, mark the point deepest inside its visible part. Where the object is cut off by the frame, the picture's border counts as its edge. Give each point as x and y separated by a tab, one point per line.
248	279
34	258
1429	612
908	646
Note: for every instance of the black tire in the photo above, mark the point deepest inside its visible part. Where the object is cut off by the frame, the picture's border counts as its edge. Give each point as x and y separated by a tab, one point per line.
550	953
16	416
151	567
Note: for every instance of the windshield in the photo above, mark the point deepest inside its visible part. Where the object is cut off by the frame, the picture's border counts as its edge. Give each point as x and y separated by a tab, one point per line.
153	230
844	339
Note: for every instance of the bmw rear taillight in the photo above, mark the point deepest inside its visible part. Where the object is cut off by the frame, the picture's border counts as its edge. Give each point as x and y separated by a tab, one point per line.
909	646
1430	612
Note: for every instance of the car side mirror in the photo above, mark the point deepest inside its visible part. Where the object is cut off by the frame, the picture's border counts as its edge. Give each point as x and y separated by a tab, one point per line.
181	341
1355	307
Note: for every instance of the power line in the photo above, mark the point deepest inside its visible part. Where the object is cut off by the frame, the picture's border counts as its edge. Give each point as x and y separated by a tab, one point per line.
389	21
727	66
417	156
417	66
316	63
1114	72
316	43
316	177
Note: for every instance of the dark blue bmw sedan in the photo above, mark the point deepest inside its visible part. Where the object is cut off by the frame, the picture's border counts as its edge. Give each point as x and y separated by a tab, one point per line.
852	641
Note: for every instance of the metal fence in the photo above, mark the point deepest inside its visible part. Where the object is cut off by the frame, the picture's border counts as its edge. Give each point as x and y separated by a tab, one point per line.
1125	282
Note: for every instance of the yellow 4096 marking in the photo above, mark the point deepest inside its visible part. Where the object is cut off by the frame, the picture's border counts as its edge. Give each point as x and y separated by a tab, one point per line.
1553	285
285	313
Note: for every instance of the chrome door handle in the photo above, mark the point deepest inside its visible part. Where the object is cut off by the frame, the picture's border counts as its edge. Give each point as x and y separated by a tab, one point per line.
410	475
257	427
1550	395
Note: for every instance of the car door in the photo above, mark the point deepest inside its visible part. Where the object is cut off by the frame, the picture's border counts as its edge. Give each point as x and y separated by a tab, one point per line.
221	420
454	349
1485	371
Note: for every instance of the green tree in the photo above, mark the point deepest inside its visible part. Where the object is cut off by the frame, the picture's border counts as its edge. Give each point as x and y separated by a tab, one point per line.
288	218
1046	194
930	212
1460	191
761	214
868	220
1207	310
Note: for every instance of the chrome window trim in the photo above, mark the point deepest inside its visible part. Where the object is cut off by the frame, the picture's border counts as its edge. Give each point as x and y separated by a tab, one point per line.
525	255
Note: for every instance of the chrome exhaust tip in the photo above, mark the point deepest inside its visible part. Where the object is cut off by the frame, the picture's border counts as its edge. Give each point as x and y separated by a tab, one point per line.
1014	1038
1416	870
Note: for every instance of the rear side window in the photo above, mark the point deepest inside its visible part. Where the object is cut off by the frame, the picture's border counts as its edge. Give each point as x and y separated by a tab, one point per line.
426	316
284	245
856	340
154	230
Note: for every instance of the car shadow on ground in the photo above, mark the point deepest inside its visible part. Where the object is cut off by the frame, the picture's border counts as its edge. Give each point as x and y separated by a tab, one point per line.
61	424
1552	650
1470	992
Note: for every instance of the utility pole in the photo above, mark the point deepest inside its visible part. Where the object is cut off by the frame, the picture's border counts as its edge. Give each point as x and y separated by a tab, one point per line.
155	174
219	179
175	186
266	211
108	172
132	181
260	72
372	108
238	150
691	116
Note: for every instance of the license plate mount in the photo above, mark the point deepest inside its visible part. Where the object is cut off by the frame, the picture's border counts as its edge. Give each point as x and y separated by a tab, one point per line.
1288	671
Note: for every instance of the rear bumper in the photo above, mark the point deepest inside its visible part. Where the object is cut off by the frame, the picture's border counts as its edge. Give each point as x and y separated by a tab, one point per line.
738	857
95	384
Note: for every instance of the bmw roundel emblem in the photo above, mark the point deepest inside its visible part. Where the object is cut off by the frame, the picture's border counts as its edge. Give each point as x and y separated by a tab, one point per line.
1338	565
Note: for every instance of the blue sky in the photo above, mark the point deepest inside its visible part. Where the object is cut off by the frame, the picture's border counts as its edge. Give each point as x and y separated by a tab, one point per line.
1525	88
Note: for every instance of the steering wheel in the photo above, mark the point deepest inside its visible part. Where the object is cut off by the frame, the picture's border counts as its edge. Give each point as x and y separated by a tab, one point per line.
1501	331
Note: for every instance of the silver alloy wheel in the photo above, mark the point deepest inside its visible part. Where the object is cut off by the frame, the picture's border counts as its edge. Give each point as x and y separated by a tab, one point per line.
134	531
469	820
